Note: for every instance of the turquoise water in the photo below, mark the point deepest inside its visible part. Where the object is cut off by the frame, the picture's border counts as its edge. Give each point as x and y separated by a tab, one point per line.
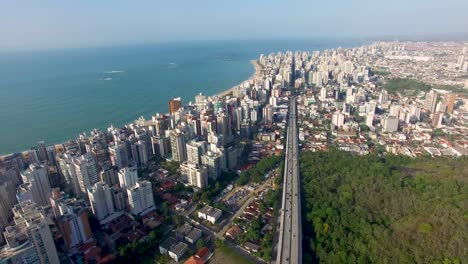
55	95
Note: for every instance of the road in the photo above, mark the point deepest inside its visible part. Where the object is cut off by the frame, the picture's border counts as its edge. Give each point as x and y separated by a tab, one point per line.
290	233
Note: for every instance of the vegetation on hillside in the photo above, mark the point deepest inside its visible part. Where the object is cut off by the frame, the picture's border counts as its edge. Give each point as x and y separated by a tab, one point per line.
406	86
393	209
411	87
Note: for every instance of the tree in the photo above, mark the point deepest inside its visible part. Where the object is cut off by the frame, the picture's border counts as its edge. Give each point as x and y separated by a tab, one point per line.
381	209
162	259
165	208
200	243
219	243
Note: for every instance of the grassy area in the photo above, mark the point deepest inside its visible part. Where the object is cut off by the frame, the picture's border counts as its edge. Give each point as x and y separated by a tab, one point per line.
225	255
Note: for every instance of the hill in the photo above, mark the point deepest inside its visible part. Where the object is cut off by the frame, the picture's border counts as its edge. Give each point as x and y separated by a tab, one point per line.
394	209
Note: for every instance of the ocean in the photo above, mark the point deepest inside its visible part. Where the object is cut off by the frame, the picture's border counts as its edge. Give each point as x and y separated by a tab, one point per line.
54	95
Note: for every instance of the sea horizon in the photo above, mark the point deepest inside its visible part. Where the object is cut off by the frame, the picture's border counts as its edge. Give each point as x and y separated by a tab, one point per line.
54	95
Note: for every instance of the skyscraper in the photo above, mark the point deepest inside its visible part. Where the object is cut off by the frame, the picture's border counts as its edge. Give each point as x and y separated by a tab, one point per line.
86	172
338	119
268	115
38	181
72	219
41	151
179	152
140	153
29	240
128	177
449	101
415	112
390	124
383	97
158	146
213	163
223	127
431	100
174	105
101	201
140	197
369	119
196	174
437	119
195	149
323	93
118	198
118	155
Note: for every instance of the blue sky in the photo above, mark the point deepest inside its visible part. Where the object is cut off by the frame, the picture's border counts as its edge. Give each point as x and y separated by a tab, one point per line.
34	24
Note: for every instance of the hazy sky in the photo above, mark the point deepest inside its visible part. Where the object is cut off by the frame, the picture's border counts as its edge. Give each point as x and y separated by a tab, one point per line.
31	24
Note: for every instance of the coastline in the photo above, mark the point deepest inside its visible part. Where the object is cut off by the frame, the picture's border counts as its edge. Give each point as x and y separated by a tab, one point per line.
257	73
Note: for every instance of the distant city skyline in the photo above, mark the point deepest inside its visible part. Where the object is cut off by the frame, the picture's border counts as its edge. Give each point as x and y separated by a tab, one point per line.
63	24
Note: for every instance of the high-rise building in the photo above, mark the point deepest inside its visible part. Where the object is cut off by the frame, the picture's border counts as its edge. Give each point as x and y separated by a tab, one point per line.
109	176
7	197
431	100
140	197
51	153
118	155
41	151
195	149
441	107
231	157
437	119
30	239
72	219
118	198
140	153
394	110
449	101
158	146
383	97
7	201
179	153
323	93
213	163
86	172
64	164
370	120
174	105
223	127
128	177
338	119
196	174
268	114
253	116
414	113
100	199
37	180
390	124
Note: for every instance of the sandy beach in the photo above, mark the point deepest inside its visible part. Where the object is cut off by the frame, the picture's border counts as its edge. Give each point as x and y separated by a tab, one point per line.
258	72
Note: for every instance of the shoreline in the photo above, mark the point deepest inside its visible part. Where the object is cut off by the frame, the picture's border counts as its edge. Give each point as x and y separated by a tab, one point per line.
257	73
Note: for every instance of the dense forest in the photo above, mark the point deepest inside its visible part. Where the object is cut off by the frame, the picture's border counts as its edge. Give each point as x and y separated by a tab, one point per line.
406	86
392	209
411	87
